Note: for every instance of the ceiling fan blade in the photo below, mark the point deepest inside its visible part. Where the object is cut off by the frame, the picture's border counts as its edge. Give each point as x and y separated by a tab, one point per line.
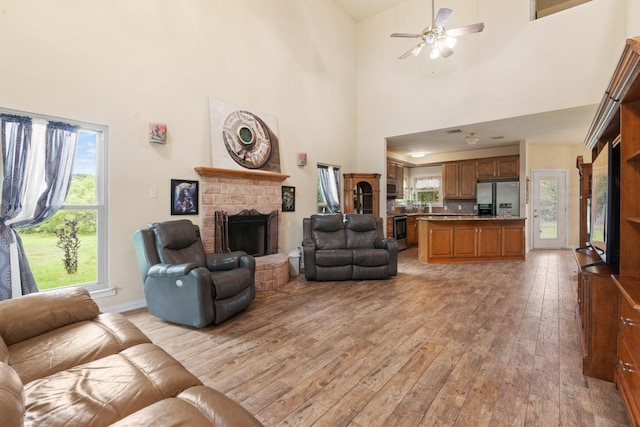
445	51
407	35
415	51
467	29
441	18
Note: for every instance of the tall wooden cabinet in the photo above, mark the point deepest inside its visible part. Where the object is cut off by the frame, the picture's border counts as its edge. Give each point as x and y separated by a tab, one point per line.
362	193
618	120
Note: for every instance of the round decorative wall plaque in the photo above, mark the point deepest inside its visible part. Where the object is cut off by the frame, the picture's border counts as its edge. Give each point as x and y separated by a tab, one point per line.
246	139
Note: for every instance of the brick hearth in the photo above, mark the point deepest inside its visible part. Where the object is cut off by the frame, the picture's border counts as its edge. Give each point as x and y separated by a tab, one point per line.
233	191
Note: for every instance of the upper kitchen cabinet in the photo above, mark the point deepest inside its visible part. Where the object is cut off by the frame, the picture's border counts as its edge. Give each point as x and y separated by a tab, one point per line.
498	167
459	180
395	174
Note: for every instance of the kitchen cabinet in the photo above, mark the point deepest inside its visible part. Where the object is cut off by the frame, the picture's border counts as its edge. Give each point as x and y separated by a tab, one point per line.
389	231
596	315
412	230
513	241
392	168
395	172
498	167
477	240
459	180
459	239
362	193
435	241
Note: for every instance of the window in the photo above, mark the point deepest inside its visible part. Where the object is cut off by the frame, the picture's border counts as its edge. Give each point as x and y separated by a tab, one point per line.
427	189
70	248
328	189
542	8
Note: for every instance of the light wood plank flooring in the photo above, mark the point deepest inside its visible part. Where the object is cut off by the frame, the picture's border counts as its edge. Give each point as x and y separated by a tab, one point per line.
439	345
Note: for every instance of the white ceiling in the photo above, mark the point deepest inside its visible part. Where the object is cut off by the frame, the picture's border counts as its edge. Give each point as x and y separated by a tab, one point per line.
361	9
563	126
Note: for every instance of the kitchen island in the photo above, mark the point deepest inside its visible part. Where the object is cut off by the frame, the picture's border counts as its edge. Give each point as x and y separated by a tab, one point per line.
451	239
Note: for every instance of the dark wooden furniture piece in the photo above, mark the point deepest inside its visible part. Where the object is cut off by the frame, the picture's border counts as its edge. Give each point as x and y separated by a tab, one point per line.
596	309
362	193
617	120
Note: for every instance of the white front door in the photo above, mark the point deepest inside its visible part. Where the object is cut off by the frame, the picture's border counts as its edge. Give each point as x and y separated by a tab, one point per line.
549	208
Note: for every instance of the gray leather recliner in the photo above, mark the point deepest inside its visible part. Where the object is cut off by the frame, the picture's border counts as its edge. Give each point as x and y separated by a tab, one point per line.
349	248
185	285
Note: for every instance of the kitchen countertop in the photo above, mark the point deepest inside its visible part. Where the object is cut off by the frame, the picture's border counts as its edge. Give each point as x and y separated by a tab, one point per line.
429	214
427	217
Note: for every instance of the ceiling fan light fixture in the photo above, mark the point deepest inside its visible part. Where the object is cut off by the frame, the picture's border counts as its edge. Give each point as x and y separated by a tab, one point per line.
471	139
450	42
435	53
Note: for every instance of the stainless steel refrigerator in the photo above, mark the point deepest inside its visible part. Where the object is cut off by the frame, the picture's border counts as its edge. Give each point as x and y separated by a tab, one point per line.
503	196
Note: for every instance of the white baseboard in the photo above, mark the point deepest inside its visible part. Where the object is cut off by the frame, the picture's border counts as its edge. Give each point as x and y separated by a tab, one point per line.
128	306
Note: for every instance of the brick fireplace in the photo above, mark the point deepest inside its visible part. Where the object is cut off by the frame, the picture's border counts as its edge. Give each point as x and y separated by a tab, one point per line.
233	191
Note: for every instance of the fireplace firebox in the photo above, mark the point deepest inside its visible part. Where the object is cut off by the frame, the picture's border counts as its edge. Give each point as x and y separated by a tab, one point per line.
249	231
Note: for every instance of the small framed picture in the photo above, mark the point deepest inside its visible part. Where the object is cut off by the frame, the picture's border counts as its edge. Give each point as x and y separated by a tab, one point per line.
184	197
288	199
158	133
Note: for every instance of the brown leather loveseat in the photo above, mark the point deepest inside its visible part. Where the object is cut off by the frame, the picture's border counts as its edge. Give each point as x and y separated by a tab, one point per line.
349	248
63	363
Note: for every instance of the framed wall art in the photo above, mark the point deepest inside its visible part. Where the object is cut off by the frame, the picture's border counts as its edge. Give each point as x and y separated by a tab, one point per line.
184	197
288	199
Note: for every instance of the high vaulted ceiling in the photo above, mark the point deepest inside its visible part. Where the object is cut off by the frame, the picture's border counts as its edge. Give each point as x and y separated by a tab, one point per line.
564	126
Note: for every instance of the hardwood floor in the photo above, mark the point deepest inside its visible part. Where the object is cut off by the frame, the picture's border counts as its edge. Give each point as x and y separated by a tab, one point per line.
439	345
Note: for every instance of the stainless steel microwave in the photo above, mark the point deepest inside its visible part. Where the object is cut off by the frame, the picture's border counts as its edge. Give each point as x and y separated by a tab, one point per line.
392	189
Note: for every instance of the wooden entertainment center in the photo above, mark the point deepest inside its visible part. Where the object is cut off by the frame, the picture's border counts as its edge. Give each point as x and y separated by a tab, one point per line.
609	297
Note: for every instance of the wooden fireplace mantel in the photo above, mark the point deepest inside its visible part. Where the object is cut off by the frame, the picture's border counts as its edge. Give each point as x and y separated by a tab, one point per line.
247	174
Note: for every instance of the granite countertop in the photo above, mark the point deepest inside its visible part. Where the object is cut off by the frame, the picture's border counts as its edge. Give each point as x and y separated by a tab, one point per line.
428	217
429	214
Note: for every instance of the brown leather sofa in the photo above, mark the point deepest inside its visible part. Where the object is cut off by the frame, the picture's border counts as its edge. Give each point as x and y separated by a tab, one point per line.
63	363
352	247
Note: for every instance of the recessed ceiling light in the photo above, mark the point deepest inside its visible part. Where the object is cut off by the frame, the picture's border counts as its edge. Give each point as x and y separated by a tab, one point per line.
418	154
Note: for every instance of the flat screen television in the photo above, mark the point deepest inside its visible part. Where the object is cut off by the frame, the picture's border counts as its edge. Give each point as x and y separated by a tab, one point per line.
605	205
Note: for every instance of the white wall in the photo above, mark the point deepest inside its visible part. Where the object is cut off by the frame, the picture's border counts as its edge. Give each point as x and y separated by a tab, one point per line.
514	68
123	64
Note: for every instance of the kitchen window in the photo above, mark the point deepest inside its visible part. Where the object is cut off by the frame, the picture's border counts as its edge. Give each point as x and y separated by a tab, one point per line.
427	190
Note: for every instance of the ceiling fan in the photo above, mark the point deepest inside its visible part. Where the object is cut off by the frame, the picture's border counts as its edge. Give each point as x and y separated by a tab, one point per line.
438	41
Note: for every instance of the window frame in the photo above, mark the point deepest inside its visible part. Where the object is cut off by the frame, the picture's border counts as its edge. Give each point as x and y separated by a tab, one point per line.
439	189
99	288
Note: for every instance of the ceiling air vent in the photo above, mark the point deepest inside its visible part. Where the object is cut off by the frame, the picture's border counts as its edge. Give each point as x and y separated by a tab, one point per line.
454	131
